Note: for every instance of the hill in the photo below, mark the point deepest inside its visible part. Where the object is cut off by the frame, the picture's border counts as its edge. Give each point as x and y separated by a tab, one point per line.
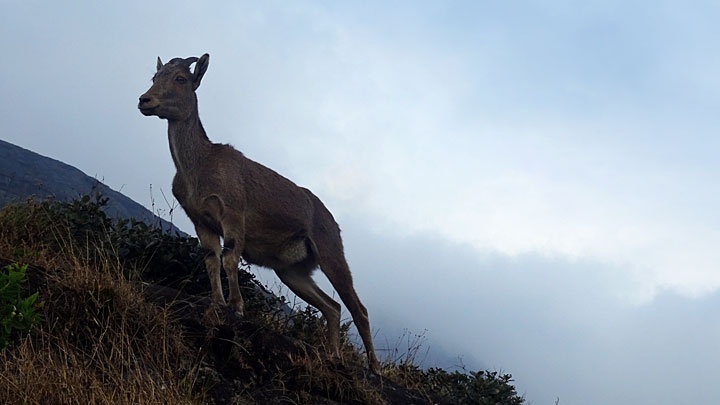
125	318
25	174
122	315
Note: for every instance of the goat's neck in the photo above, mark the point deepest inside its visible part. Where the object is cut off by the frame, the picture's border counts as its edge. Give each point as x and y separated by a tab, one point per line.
189	145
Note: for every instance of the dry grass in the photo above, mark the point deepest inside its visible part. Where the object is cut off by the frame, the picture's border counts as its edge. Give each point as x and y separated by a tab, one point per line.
105	339
100	341
330	378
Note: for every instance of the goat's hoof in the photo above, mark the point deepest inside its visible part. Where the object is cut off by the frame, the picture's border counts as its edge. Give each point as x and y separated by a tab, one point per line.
238	306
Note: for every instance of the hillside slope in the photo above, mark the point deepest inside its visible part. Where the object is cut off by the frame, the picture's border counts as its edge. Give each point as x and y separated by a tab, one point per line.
24	173
126	319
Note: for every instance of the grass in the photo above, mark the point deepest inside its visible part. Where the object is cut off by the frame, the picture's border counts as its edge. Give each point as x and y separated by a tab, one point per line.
105	338
100	342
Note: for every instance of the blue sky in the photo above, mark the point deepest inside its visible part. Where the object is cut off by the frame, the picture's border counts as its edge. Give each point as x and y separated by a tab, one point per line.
532	182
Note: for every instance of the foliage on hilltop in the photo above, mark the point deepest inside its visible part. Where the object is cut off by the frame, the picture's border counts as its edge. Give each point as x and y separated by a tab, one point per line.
116	311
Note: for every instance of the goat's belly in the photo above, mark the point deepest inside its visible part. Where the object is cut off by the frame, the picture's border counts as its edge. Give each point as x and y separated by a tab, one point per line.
276	256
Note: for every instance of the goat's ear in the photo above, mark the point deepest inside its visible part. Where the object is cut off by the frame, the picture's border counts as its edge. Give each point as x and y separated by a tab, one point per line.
200	67
159	63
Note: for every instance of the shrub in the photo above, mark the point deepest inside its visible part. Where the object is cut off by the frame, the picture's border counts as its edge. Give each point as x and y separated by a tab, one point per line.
474	387
17	313
466	387
82	228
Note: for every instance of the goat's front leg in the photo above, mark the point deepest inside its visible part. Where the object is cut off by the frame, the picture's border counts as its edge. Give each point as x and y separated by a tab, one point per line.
211	244
234	244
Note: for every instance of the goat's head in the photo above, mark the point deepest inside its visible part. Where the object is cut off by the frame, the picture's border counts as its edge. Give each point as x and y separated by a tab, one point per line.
172	94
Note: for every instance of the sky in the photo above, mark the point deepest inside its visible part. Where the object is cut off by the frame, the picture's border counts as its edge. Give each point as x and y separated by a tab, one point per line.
531	186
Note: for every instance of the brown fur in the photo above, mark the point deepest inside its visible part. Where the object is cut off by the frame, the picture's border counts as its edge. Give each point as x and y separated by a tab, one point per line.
260	214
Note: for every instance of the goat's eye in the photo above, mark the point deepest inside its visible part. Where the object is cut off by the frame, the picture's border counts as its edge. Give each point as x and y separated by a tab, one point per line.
180	79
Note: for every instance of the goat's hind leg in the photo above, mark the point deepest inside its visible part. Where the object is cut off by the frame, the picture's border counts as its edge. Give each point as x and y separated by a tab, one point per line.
210	242
335	267
301	283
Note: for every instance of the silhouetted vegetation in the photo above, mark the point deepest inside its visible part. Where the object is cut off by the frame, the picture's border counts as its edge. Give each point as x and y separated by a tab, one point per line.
127	320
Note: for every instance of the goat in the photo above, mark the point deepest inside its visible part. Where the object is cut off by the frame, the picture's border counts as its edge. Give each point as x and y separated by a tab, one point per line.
260	215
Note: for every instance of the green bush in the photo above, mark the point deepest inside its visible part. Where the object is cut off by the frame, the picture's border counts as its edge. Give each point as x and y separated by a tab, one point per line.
474	387
457	387
17	314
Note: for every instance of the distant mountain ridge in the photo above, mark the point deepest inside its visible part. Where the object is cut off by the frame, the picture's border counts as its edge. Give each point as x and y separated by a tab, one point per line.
25	174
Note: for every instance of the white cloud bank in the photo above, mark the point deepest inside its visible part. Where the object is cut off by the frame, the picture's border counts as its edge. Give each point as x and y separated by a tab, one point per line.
403	135
561	328
427	120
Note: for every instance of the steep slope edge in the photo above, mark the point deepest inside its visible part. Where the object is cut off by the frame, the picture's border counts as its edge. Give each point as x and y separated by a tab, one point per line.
25	174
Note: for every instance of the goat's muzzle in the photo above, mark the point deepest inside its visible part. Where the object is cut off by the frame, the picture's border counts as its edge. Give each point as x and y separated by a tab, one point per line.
147	104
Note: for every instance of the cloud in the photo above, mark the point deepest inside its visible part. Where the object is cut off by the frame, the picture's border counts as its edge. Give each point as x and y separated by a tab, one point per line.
440	128
404	131
563	328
